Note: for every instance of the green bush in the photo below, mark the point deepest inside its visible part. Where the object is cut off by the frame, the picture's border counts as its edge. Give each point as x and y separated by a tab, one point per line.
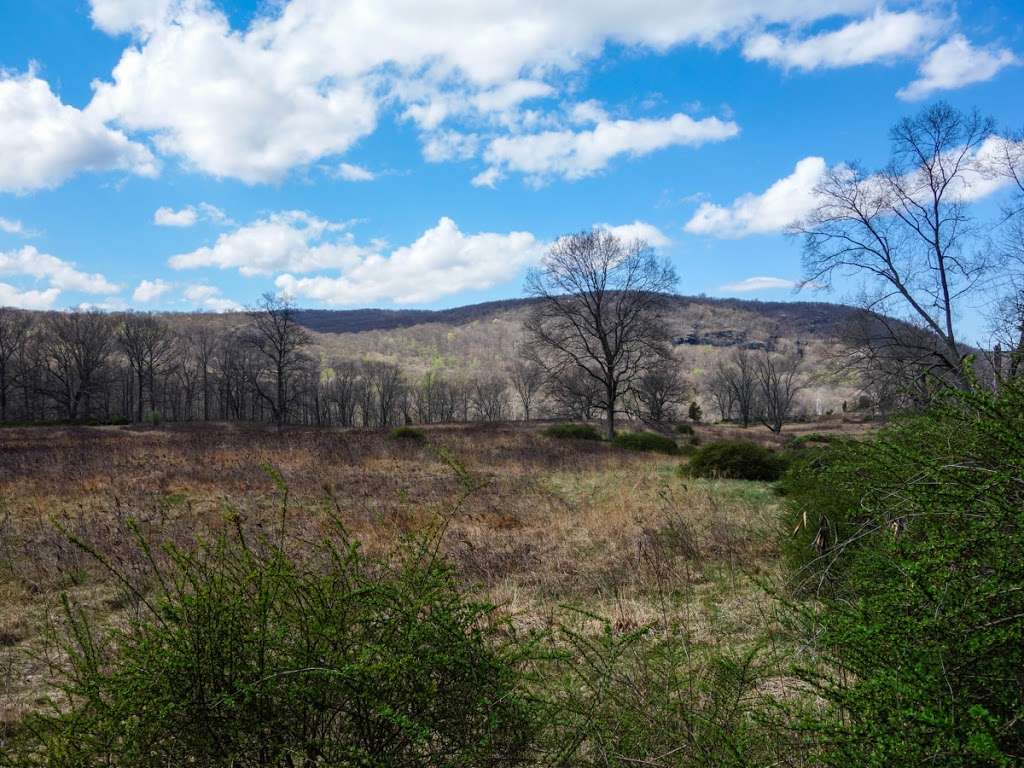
684	429
736	460
410	434
244	656
573	432
911	542
646	441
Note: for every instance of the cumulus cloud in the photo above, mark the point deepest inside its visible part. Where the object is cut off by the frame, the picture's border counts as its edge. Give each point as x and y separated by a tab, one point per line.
59	274
168	217
441	262
307	78
883	35
638	230
292	241
148	290
208	297
350	172
14	297
759	284
784	202
577	154
43	141
954	64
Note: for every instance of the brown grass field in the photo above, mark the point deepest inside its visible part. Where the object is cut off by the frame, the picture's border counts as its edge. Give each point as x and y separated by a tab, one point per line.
531	523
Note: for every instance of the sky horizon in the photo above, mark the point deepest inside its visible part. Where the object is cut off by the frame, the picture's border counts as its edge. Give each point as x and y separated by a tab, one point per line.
175	155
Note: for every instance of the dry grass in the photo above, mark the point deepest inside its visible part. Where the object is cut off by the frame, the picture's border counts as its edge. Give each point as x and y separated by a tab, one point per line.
549	523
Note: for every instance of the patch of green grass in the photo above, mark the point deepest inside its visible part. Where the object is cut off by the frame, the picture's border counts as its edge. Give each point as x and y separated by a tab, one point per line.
572	432
646	441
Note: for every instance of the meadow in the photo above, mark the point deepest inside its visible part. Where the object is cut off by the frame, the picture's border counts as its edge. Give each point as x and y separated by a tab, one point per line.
530	523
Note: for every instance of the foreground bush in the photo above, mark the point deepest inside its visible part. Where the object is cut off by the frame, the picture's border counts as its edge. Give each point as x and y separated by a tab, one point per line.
646	441
912	543
573	432
244	656
736	461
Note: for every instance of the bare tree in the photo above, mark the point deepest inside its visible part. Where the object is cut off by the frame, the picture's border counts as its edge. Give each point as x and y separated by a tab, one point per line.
906	231
14	329
660	392
598	312
779	381
385	386
738	376
279	342
147	344
78	348
490	398
527	378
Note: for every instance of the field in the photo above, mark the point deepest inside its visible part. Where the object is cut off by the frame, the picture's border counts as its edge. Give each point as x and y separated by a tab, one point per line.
532	523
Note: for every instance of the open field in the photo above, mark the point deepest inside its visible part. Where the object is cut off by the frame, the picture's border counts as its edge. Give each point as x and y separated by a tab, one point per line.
532	524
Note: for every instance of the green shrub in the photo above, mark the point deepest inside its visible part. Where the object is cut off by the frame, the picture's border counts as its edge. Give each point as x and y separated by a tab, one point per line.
410	434
911	542
736	460
243	656
646	698
646	441
684	429
573	432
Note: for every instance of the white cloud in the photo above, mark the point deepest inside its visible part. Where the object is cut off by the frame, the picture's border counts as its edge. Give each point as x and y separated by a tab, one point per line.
510	95
307	78
168	217
758	284
954	64
43	141
148	290
787	200
291	241
489	177
350	172
575	155
62	275
588	112
883	35
208	297
13	297
441	262
190	215
11	227
450	145
638	230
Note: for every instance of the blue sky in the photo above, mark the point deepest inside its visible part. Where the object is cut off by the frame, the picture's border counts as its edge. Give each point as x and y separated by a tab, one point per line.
181	154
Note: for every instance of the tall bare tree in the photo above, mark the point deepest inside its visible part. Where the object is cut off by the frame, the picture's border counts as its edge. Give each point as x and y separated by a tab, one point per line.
660	392
527	379
147	343
906	231
78	347
278	342
779	381
14	329
598	312
737	375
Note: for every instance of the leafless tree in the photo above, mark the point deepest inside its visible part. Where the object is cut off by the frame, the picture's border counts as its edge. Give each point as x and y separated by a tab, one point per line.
527	378
385	386
490	398
660	392
779	381
78	348
14	329
598	312
737	377
278	342
907	232
147	343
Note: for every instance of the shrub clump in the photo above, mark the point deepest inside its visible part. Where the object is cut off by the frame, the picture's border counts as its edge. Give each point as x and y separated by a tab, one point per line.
736	461
243	655
910	542
408	434
646	441
573	432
